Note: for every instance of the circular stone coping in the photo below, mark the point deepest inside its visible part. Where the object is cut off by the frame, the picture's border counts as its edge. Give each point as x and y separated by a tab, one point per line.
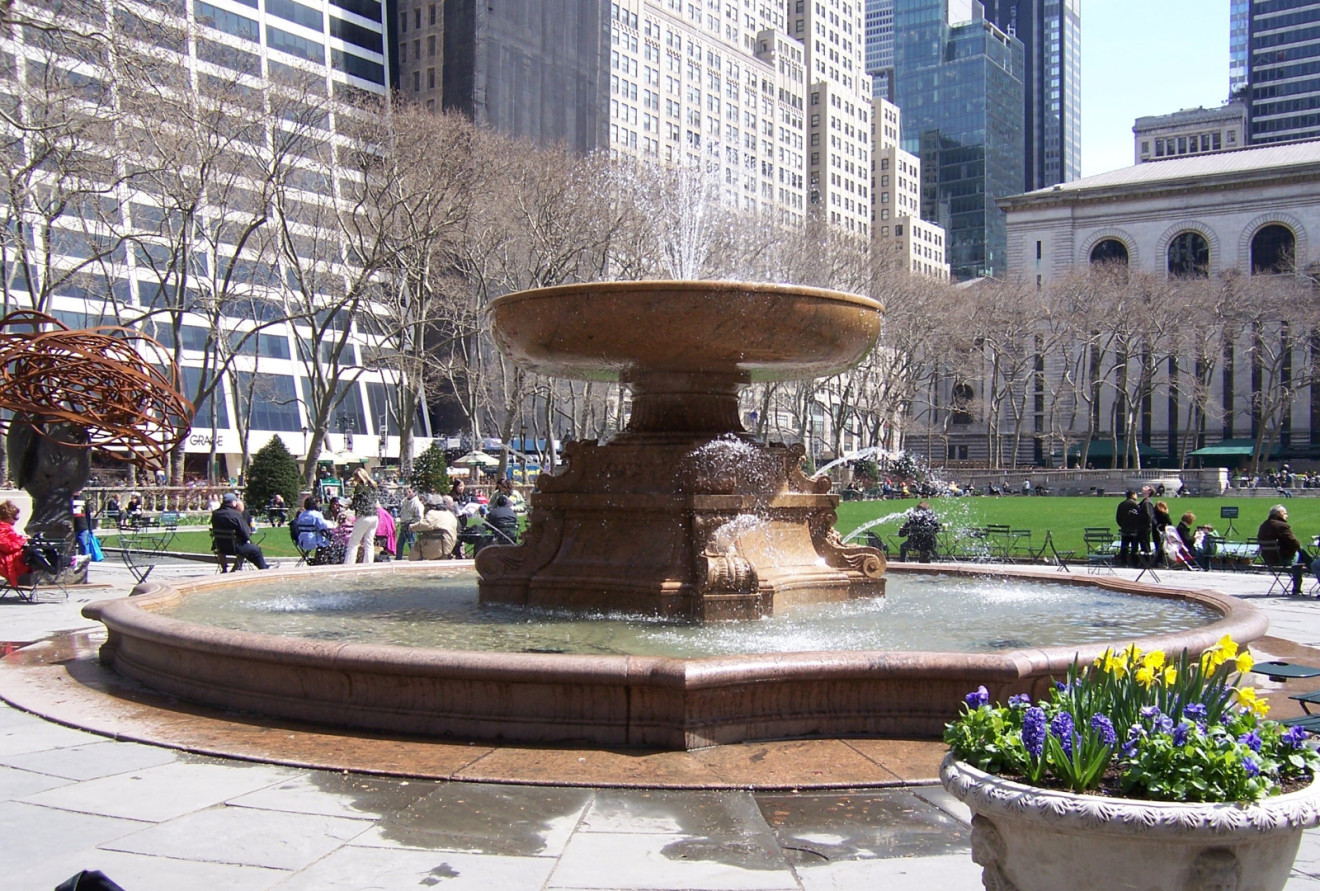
617	330
138	614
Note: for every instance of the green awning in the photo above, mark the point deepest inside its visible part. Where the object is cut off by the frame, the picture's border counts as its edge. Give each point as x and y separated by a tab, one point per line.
1103	449
1234	448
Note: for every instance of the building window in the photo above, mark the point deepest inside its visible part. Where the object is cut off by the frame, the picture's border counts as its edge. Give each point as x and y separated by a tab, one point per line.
430	45
1189	256
417	81
432	13
1110	251
430	78
1273	250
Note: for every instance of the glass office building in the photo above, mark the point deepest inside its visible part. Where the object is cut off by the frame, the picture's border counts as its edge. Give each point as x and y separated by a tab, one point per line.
1283	76
1051	35
959	82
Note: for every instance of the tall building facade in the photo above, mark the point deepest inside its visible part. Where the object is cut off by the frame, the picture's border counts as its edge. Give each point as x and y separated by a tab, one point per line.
880	47
117	260
958	81
1239	14
1283	85
899	231
1051	35
833	35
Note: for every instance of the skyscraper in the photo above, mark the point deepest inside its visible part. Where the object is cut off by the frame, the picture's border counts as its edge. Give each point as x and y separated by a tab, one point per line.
1051	35
1239	12
1283	102
958	81
880	47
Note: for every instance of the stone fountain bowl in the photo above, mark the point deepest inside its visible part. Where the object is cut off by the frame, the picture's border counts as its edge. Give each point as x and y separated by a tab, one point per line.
605	700
756	332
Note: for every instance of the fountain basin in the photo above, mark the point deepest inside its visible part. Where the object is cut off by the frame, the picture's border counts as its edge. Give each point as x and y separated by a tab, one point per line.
606	700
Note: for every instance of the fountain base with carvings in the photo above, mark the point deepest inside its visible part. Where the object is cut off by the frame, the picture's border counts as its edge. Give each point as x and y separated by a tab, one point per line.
684	514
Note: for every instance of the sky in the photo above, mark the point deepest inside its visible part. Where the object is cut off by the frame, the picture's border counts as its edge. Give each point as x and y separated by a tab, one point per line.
1144	57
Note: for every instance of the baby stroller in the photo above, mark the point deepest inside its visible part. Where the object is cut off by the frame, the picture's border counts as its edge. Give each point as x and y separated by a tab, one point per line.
1176	553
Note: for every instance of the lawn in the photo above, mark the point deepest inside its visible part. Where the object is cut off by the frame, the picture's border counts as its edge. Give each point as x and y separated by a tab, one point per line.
275	542
1066	517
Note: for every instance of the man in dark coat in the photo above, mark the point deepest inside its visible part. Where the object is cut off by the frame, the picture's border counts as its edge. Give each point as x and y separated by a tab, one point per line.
1128	518
1281	546
920	530
228	518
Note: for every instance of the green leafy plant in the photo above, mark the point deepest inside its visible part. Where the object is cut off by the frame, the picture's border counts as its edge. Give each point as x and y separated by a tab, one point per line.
273	470
430	471
1163	730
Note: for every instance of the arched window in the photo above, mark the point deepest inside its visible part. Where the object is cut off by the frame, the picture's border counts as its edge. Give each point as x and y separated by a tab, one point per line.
1110	251
1273	250
963	394
1189	256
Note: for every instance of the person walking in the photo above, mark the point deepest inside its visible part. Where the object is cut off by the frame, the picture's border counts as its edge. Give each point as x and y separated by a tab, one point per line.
365	501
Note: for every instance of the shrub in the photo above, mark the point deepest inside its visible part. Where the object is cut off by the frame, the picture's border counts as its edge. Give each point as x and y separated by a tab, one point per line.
273	469
430	471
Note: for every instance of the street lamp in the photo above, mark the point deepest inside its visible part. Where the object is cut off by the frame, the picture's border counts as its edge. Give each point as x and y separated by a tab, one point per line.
346	429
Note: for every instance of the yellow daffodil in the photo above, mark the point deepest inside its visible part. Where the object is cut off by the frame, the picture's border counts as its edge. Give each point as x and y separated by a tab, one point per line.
1154	660
1145	676
1248	698
1244	662
1170	676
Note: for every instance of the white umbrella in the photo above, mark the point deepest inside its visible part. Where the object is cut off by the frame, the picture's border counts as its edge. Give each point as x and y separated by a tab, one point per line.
476	459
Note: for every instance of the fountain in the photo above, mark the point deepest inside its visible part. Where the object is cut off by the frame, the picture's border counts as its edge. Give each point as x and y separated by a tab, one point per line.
683	518
683	514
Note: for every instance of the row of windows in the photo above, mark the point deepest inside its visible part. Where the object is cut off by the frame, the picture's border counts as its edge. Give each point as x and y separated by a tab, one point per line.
1273	249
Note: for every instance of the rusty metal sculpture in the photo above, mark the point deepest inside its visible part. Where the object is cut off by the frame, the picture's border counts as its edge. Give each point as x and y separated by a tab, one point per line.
74	391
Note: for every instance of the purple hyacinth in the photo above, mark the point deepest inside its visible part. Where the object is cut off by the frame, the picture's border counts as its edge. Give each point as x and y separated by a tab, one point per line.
1063	727
1196	711
1021	700
1251	767
1150	711
978	697
1250	739
1295	737
1033	731
1180	733
1105	727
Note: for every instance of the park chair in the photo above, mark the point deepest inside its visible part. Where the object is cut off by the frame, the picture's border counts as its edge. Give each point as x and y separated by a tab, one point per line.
875	541
1280	573
1048	552
224	544
170	519
1307	700
1000	538
1099	549
45	560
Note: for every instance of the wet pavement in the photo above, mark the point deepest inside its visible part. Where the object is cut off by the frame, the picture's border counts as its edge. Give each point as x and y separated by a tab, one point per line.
154	817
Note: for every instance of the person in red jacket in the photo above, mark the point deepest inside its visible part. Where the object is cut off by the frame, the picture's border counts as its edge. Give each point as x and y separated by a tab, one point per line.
12	565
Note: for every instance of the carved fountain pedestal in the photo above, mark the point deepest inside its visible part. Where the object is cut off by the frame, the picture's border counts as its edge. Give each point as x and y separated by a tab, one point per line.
684	514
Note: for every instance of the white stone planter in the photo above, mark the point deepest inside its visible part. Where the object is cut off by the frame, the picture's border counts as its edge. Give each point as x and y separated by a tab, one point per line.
1027	838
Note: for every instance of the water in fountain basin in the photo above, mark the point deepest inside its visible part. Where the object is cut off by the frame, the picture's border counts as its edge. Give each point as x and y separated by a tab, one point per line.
935	613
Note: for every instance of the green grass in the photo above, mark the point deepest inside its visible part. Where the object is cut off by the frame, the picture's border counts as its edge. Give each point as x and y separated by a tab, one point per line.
275	543
1066	517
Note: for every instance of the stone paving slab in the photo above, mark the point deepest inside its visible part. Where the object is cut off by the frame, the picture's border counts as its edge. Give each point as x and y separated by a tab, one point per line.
66	798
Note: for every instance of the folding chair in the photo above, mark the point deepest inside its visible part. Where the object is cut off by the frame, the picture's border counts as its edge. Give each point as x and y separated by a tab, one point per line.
1099	550
1280	573
1049	552
45	562
224	545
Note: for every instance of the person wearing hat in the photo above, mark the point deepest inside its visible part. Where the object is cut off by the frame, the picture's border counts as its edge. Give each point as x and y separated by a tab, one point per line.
235	539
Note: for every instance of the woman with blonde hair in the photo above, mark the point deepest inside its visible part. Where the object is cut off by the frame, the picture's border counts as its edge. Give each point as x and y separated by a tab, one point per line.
365	503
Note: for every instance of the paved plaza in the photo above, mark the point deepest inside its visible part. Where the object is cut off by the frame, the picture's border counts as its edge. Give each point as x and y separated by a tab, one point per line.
154	817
